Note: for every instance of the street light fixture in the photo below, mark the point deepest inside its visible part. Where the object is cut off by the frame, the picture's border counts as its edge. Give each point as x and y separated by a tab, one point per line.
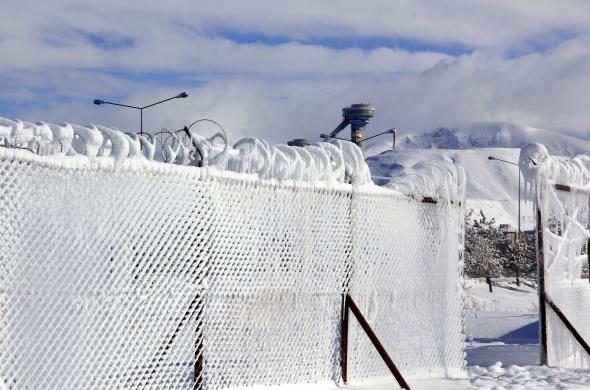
99	102
327	137
390	131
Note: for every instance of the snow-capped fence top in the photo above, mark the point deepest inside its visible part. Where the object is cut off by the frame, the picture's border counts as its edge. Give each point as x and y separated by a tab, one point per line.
338	161
435	179
562	201
331	162
117	271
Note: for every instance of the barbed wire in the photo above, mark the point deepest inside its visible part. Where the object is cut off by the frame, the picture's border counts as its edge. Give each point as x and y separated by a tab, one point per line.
170	145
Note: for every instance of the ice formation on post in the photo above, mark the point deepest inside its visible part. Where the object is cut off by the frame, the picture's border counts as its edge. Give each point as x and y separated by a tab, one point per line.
562	199
218	266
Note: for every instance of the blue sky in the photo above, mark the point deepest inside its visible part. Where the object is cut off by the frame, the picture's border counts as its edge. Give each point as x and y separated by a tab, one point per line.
367	43
284	69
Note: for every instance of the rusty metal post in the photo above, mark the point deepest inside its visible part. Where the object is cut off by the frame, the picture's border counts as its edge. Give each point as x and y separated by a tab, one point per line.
199	350
542	292
569	325
563	187
344	342
376	343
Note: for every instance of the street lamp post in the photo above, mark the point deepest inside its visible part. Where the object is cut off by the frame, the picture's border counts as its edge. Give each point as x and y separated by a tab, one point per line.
519	180
98	102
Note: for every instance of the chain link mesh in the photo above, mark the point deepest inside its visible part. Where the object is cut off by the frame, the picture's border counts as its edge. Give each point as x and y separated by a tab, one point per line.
143	275
405	280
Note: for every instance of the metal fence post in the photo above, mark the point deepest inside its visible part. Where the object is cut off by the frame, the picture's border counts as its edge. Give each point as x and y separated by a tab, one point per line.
344	341
542	292
350	305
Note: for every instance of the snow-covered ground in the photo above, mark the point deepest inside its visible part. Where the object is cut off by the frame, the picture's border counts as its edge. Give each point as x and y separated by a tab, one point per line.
506	296
502	331
533	377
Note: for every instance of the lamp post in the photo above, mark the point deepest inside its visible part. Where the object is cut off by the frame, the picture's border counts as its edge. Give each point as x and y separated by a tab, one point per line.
98	102
492	158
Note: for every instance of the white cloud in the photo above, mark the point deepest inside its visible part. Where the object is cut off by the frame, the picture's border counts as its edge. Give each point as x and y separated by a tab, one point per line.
291	89
481	23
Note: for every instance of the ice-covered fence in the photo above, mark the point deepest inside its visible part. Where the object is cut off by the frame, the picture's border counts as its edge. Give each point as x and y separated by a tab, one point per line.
562	200
118	272
405	262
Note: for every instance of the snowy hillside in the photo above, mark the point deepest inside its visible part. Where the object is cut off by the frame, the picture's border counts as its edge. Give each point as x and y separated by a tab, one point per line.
492	186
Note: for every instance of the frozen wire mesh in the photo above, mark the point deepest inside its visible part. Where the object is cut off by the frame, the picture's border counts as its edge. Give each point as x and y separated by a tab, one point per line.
100	277
279	266
406	280
144	276
566	224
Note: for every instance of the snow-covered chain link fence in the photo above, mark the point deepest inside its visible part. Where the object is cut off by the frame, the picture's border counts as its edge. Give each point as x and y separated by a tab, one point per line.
562	200
128	273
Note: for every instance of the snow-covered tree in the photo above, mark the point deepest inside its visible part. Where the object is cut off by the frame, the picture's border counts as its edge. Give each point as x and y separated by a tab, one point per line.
521	256
482	247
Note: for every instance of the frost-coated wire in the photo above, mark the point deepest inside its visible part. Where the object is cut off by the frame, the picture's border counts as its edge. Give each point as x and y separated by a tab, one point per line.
125	273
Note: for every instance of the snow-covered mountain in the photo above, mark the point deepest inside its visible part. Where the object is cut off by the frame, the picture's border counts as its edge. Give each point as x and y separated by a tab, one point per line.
492	186
488	135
